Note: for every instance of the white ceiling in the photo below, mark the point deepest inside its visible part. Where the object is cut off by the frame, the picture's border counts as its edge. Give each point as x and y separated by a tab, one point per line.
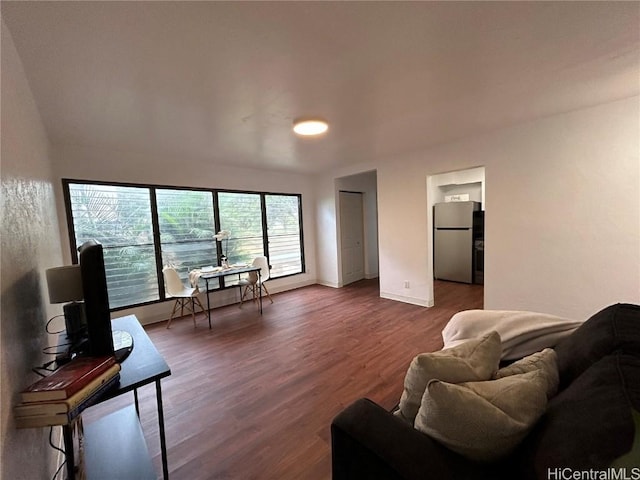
221	82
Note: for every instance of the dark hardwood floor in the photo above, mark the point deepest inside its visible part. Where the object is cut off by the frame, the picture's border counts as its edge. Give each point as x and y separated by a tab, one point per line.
254	397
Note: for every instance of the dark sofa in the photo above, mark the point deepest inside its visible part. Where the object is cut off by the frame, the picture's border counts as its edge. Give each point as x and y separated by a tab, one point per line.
587	425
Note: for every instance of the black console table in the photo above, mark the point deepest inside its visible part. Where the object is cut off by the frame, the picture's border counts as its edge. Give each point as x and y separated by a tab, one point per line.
114	445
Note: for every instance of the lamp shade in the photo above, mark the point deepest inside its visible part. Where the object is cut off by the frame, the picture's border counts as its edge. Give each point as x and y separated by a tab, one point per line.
65	284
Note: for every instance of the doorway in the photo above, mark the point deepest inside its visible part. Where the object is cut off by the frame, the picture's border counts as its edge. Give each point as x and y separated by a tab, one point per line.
466	186
351	236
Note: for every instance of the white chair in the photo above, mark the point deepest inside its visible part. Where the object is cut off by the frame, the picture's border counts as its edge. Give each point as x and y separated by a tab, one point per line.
186	297
254	283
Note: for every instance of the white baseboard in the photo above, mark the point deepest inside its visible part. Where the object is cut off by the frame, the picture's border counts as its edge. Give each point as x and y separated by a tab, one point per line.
160	312
402	298
329	284
289	286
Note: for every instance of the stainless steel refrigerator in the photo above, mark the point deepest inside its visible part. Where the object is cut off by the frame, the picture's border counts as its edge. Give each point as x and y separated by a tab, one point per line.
453	241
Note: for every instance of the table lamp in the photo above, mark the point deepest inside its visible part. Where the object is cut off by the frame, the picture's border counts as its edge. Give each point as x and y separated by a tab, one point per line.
65	285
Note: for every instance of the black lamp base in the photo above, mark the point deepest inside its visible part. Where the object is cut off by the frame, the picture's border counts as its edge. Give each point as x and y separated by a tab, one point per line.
75	321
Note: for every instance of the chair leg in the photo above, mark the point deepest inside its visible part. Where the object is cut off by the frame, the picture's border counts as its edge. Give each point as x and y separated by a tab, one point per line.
264	287
244	294
193	311
241	294
247	289
189	304
173	312
197	300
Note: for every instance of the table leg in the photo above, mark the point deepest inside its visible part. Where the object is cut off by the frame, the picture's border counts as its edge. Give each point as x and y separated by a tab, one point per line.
135	400
163	440
206	286
260	283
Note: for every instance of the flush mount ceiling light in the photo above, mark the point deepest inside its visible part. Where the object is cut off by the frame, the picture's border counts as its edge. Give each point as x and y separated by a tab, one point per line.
310	126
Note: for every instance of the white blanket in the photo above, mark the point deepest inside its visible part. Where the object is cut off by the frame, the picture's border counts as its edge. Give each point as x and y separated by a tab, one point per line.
194	277
522	333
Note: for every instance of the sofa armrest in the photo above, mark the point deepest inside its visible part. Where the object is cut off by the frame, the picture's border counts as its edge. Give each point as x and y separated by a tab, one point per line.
368	442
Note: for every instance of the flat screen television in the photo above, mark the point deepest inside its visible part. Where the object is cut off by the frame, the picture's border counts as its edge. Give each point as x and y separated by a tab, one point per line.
96	299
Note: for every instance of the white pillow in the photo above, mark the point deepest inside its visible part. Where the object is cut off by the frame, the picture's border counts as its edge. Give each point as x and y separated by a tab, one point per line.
483	421
470	361
544	361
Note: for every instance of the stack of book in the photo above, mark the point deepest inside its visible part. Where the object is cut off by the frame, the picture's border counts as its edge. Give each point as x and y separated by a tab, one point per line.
60	397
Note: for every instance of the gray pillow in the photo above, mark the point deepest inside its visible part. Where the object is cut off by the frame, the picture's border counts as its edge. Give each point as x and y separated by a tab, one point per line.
473	360
483	421
544	361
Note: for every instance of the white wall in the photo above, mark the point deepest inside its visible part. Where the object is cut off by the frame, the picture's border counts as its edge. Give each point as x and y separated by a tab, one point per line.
562	226
30	245
404	233
563	212
105	165
327	240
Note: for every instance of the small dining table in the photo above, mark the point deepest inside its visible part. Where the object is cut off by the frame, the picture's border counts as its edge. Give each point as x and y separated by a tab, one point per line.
219	272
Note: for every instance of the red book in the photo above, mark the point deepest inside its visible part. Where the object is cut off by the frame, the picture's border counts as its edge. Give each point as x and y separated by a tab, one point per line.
68	379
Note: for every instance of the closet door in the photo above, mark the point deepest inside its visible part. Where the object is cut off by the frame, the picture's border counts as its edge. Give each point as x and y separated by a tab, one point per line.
351	237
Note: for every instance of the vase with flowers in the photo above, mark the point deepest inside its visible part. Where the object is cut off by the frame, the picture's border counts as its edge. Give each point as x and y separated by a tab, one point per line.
223	235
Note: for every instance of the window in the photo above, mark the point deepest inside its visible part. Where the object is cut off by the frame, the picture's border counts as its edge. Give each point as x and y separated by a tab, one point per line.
120	219
284	235
241	214
143	228
185	220
186	224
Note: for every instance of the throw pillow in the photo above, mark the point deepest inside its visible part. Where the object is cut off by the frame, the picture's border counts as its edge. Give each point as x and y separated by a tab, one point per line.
544	361
483	421
470	361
